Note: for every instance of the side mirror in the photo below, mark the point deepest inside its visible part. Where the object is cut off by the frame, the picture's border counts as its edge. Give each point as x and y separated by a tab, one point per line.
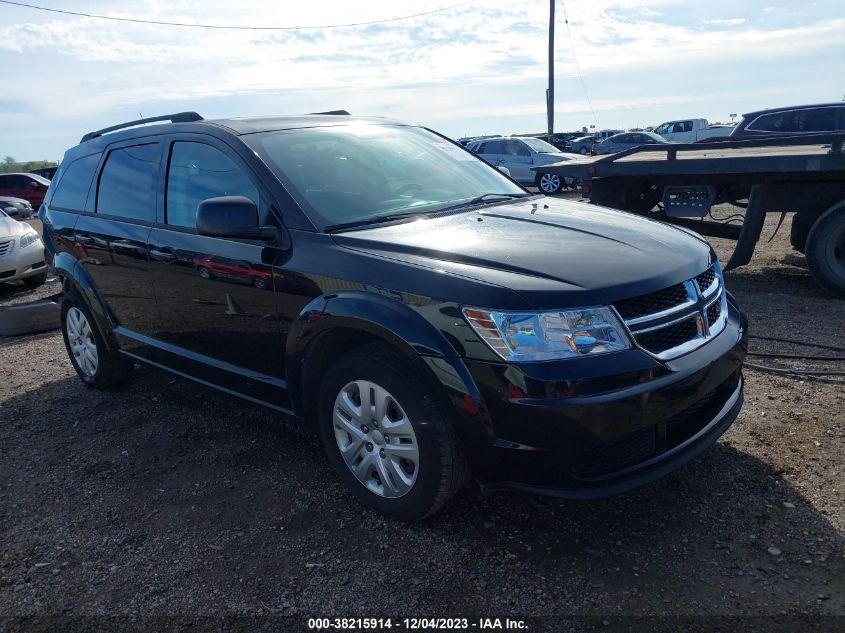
235	217
34	185
504	170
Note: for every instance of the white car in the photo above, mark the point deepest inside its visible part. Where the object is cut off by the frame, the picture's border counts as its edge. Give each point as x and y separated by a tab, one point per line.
21	253
519	154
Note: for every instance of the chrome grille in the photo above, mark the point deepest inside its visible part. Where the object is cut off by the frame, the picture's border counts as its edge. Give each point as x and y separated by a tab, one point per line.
652	302
676	320
6	247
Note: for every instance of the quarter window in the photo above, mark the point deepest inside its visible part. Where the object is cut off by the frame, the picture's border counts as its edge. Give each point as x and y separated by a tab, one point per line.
72	188
128	183
197	172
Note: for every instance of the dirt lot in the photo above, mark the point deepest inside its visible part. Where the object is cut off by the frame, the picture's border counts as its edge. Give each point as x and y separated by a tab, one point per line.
162	499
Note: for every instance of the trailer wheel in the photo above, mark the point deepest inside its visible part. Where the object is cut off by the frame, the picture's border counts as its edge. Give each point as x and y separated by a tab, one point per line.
826	250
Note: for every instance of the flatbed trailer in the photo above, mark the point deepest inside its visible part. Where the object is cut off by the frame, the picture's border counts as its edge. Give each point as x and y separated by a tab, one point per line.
680	183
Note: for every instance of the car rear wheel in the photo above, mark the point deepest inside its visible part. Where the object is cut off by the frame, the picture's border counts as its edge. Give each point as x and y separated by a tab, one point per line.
204	272
259	282
583	150
96	364
549	183
387	435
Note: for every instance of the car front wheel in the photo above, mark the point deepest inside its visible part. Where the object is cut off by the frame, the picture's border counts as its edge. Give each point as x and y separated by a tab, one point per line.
387	435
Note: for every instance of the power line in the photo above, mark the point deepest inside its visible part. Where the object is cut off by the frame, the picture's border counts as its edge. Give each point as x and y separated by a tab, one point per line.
231	27
577	65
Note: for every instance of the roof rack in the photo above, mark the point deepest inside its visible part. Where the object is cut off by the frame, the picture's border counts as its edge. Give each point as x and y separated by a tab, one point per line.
179	117
338	112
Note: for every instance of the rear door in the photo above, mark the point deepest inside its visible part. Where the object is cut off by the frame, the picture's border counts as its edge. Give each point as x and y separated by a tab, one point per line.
517	158
215	296
111	239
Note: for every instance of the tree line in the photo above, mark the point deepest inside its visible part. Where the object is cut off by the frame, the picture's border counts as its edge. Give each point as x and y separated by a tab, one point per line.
10	165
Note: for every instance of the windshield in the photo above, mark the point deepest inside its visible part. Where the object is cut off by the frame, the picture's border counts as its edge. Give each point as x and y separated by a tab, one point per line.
350	173
540	146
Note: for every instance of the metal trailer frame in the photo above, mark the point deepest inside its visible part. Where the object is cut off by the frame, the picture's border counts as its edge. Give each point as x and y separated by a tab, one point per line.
794	176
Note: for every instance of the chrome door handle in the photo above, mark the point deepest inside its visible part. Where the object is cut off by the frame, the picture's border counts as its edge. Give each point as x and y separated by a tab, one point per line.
162	256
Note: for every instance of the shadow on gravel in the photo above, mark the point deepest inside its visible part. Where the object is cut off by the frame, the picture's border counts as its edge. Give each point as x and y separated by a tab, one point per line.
162	498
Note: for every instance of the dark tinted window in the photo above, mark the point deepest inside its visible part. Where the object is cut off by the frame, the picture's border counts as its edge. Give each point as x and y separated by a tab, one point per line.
774	122
197	172
516	148
13	181
128	183
494	147
814	120
72	188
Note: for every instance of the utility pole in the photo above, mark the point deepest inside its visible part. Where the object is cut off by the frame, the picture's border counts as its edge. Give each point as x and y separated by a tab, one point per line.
550	91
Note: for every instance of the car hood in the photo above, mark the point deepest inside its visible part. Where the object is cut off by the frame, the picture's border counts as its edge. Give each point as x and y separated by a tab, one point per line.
9	227
553	252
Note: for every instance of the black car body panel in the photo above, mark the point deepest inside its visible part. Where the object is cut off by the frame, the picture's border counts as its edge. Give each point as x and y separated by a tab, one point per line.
162	296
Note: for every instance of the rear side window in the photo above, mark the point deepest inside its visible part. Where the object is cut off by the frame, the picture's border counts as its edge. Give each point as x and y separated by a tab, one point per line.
814	120
494	147
128	183
74	183
774	122
197	172
13	182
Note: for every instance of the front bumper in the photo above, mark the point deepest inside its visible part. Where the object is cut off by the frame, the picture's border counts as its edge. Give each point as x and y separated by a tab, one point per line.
20	264
601	426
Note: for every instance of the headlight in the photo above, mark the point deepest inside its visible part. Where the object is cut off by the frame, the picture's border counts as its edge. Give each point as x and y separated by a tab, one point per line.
29	238
527	336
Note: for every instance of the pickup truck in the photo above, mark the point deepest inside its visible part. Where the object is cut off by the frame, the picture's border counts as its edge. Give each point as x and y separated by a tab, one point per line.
691	130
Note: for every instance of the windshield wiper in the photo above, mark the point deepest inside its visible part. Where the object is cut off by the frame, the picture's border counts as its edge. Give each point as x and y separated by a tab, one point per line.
389	217
487	197
378	219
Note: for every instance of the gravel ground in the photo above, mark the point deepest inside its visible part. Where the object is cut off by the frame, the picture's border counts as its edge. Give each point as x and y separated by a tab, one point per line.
163	499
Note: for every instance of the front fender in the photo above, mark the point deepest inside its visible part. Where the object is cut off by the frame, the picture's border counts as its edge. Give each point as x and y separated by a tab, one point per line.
384	317
376	315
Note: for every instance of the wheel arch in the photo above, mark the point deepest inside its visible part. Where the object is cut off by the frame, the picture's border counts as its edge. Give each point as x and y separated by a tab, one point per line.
74	277
330	326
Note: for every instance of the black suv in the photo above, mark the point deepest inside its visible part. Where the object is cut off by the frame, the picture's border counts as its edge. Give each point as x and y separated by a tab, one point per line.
430	316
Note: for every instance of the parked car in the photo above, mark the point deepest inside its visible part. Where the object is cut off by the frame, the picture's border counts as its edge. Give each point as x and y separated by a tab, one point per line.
30	187
21	253
691	130
808	119
627	140
518	155
582	144
458	325
17	208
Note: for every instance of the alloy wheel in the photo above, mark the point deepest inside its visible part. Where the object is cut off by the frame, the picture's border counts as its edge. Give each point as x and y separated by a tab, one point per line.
549	183
80	337
376	439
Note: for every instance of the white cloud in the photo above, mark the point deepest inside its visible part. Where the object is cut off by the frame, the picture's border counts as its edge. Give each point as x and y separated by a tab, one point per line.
486	59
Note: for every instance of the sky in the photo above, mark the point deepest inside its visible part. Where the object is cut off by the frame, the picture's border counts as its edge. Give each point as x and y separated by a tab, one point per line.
478	68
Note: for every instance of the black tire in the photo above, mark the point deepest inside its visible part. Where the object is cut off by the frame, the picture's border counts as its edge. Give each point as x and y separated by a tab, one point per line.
825	250
259	282
443	469
112	369
35	280
205	273
583	150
